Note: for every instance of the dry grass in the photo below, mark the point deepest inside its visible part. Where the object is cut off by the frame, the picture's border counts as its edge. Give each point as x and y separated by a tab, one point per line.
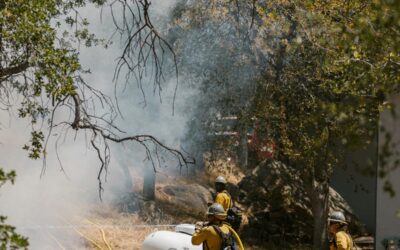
127	231
225	165
121	231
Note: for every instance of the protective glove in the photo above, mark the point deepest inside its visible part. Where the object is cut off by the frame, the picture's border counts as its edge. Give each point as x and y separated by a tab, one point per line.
199	225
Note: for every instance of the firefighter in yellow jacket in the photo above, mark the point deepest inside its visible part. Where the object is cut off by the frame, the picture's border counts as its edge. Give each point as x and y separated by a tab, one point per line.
222	197
340	240
216	234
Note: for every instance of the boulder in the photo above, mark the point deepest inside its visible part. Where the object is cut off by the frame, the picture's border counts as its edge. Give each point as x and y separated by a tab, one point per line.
189	198
186	202
277	207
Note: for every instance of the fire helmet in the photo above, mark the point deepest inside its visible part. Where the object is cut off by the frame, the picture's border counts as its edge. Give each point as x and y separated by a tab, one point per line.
217	211
220	179
338	217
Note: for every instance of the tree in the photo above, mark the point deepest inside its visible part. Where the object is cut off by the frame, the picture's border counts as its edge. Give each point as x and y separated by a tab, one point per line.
149	183
326	94
40	65
216	57
315	72
323	74
349	80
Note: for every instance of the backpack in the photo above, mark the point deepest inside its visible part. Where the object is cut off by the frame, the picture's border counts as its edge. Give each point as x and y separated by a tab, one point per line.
234	215
234	218
228	240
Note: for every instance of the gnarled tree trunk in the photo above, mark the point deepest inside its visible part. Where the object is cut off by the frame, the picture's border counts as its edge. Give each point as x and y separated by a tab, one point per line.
318	193
149	183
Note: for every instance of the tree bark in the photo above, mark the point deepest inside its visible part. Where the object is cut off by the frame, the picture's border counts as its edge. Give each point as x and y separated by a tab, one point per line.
319	198
243	147
7	72
149	183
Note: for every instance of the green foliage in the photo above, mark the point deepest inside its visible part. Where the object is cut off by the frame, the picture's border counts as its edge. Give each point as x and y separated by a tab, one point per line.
42	67
35	149
4	177
9	239
322	83
324	70
36	61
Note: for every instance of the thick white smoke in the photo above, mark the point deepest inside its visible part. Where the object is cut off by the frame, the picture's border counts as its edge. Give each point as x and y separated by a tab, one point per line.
36	202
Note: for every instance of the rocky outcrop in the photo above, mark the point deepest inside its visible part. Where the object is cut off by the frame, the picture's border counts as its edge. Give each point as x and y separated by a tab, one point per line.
176	202
189	198
277	206
272	197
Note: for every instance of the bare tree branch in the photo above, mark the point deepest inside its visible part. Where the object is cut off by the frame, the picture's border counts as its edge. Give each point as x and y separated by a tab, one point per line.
143	58
144	47
102	135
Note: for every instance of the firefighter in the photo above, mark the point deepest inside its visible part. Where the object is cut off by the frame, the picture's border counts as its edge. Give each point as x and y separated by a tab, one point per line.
234	215
222	197
337	230
216	234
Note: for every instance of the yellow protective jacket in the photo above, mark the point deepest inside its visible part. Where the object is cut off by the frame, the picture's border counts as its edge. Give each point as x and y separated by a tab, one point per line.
224	199
211	239
341	241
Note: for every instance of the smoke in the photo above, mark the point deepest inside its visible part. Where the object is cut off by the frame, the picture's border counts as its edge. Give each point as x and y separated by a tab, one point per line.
219	56
68	189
